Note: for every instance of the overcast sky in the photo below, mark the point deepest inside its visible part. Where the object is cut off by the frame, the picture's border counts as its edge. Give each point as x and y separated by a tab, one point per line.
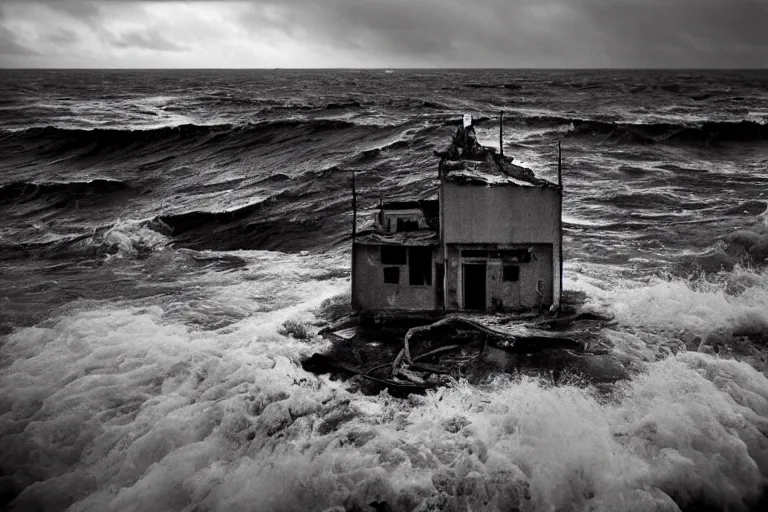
384	33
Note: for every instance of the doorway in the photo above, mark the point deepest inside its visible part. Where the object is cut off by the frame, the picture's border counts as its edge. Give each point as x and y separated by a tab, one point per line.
474	286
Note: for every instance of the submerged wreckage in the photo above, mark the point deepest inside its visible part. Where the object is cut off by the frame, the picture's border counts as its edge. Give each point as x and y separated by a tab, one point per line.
486	251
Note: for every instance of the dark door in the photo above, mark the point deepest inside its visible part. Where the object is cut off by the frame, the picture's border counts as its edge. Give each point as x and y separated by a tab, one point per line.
474	286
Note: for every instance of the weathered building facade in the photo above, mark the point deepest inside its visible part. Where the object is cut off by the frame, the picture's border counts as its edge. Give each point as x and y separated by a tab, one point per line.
490	242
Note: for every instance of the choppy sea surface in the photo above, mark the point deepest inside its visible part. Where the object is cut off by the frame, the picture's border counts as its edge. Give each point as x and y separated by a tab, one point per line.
159	228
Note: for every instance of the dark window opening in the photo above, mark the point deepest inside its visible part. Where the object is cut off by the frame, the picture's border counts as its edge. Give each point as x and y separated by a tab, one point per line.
392	275
407	225
511	273
514	255
392	255
420	266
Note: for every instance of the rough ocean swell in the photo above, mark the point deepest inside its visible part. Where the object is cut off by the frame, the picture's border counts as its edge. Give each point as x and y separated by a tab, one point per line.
173	241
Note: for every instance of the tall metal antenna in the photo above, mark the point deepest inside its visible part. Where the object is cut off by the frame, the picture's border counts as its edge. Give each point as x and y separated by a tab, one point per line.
501	133
354	234
560	184
354	208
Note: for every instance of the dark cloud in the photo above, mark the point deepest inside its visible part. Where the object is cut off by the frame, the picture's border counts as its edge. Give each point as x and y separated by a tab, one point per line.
565	32
84	10
485	33
148	39
699	33
10	46
63	37
421	27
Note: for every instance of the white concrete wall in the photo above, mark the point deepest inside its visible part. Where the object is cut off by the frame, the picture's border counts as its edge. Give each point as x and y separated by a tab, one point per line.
517	295
504	216
500	214
371	293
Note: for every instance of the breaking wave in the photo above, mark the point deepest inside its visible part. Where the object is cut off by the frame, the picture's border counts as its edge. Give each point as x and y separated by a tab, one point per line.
151	413
60	193
143	369
734	302
621	132
274	222
182	131
96	141
651	200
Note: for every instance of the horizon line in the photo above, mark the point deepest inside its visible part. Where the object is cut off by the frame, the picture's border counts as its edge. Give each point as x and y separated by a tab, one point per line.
384	68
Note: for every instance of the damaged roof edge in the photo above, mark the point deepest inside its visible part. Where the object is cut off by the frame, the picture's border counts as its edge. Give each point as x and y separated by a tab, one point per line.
423	237
468	178
406	204
465	161
495	170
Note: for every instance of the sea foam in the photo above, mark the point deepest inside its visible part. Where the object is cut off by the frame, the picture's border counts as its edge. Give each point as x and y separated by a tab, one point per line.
125	407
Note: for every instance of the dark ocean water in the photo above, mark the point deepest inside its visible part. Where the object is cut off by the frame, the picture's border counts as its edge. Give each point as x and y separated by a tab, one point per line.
159	227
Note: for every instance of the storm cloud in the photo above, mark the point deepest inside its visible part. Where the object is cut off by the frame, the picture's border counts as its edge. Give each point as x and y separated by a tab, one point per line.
147	39
10	46
388	33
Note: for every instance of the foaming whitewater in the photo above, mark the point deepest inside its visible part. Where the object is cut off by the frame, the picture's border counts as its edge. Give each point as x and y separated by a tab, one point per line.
147	410
735	302
170	252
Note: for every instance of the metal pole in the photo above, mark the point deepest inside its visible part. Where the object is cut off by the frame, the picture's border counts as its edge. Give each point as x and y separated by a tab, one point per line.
560	184
354	208
501	132
441	220
354	234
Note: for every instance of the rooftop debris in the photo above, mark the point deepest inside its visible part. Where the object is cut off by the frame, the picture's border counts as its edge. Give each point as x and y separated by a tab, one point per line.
424	237
430	208
466	161
464	146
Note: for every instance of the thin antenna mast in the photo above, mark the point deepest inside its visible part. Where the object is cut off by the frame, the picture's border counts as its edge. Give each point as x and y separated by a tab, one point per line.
501	132
354	234
560	184
354	208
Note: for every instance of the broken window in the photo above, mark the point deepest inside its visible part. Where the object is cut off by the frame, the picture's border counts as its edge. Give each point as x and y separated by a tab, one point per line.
407	225
392	275
511	273
392	255
420	266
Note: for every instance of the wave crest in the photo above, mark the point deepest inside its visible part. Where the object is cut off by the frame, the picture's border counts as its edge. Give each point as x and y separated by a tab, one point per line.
61	139
65	191
620	132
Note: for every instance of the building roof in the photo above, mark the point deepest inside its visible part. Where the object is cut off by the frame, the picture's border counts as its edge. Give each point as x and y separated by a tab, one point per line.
467	162
494	170
401	205
429	207
422	237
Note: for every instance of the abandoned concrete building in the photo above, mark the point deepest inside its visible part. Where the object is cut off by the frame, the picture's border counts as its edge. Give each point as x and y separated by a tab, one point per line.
491	241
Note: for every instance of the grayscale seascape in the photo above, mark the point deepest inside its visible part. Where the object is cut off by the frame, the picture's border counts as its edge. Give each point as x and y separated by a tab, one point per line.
172	241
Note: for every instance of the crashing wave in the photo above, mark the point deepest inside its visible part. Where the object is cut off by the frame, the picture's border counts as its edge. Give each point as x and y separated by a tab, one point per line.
61	191
62	139
617	131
